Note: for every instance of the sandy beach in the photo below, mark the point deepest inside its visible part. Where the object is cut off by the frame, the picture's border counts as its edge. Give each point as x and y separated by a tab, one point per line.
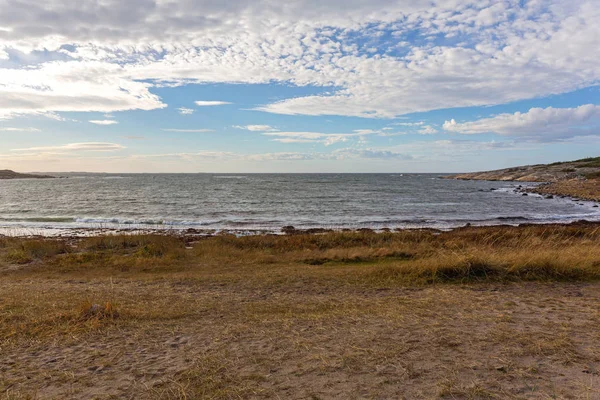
299	200
500	312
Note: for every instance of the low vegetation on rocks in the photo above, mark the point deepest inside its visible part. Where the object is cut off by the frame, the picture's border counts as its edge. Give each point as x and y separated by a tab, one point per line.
583	169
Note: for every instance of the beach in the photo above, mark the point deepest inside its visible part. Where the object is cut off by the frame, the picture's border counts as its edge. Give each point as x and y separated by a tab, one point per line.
299	200
338	286
476	312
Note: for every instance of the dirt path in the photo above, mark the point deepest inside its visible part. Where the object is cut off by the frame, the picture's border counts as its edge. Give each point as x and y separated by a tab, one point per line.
519	341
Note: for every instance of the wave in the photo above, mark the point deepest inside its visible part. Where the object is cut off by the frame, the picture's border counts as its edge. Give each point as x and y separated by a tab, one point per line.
118	221
275	224
40	219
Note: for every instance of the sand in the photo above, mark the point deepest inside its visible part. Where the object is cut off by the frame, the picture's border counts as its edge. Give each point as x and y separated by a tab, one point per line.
517	341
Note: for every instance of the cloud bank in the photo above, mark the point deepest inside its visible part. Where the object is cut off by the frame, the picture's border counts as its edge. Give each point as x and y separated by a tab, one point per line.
104	122
377	59
541	124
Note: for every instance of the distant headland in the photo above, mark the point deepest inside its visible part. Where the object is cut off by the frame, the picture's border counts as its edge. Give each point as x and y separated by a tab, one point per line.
8	174
579	178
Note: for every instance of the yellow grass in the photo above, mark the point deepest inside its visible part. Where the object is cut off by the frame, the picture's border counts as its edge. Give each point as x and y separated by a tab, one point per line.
587	189
472	313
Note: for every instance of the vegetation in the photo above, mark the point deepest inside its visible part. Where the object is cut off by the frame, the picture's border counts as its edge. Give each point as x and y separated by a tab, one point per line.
8	174
592	162
586	189
471	313
574	172
592	175
553	252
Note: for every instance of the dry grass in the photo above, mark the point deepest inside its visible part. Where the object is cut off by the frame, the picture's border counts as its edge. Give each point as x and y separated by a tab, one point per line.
552	252
498	312
587	189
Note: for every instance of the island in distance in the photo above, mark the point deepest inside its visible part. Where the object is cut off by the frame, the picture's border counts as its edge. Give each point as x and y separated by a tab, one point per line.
8	174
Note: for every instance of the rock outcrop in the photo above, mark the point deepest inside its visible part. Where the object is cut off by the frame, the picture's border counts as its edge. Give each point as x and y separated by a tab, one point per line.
587	168
8	174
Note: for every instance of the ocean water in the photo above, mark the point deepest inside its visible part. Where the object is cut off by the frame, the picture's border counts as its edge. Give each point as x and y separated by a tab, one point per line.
267	202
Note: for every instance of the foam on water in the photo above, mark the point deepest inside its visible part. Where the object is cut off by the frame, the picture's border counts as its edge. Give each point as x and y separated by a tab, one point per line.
267	202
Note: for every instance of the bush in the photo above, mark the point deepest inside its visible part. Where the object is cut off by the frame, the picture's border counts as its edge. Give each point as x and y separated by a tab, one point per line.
28	250
18	256
592	175
145	245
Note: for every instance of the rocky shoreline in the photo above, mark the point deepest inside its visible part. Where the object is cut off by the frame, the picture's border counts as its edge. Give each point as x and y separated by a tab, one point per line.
579	180
193	234
577	189
587	168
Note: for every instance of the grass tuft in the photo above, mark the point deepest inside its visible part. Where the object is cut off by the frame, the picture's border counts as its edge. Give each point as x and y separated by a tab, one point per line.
92	311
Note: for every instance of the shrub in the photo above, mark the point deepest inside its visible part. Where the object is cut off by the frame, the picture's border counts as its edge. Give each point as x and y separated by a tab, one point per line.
145	245
592	175
44	248
18	256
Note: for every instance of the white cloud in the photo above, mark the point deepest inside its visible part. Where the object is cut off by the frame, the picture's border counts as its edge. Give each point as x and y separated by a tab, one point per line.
340	154
427	130
206	103
408	123
369	153
188	130
9	129
315	137
537	123
364	131
257	128
185	111
104	122
89	146
112	54
206	155
74	86
283	156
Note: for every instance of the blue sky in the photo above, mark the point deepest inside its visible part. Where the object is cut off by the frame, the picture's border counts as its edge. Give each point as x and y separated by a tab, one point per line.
305	86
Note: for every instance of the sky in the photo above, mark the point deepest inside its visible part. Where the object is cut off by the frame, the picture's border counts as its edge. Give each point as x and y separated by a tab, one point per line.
297	85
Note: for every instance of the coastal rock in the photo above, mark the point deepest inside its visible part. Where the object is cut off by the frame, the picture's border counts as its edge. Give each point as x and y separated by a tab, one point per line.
580	169
288	229
318	230
365	230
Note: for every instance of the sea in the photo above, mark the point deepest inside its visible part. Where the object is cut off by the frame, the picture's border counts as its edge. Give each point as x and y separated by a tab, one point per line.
251	203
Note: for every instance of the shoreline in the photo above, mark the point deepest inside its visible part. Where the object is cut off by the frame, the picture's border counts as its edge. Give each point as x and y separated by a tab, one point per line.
402	314
82	233
42	228
582	207
588	190
578	180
